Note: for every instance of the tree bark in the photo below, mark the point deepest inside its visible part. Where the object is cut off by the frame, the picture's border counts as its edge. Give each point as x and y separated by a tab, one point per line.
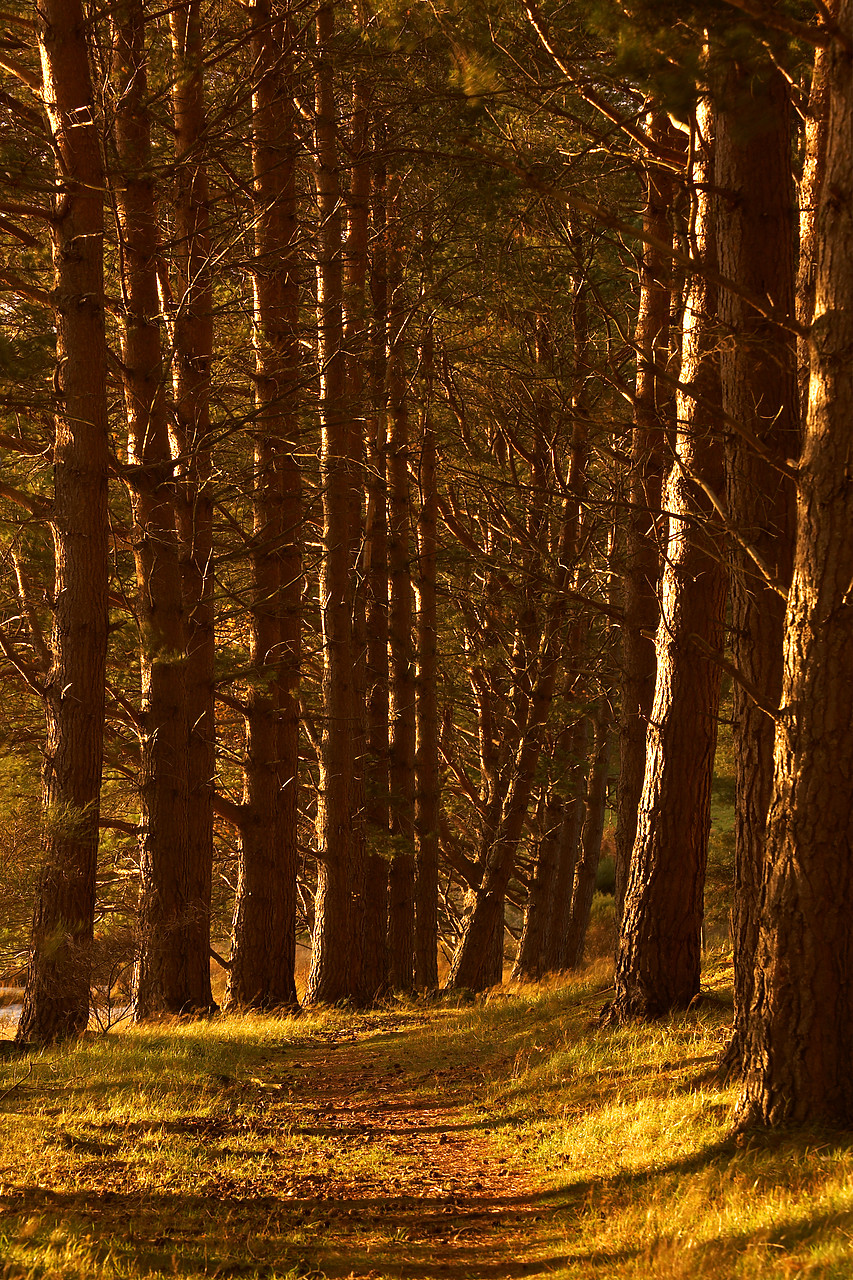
374	965
175	916
641	572
329	977
160	606
427	795
799	1038
263	951
555	958
401	879
756	236
56	1000
811	183
659	948
593	829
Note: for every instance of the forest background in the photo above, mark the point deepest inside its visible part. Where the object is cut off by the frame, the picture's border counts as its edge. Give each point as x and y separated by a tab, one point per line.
408	415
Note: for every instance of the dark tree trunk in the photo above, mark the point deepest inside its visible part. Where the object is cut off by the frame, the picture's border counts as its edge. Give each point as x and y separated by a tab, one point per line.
263	949
401	879
356	341
160	606
426	756
374	971
798	1065
56	1001
593	830
329	978
555	958
659	948
755	238
530	959
173	970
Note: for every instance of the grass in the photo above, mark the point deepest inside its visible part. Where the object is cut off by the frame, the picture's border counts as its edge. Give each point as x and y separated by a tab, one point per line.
506	1137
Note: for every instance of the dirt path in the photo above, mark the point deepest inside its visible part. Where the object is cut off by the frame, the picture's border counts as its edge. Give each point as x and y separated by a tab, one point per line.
362	1154
444	1203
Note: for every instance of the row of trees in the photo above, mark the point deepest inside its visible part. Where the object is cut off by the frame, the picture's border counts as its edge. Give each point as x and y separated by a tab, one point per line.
332	363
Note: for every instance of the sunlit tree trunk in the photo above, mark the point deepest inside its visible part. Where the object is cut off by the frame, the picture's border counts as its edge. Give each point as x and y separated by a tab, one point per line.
328	979
641	570
150	477
798	1065
755	239
56	1001
264	936
810	186
659	948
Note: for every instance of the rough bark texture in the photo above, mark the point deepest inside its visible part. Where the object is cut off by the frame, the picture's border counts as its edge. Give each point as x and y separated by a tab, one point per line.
641	570
799	1042
356	341
426	756
811	183
173	969
401	879
374	964
329	978
162	633
264	936
56	1001
659	949
755	238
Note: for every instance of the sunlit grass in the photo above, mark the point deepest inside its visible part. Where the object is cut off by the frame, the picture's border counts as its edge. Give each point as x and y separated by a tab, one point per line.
226	1148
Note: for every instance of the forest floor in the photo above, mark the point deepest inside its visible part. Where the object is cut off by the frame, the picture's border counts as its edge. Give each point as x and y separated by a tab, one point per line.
504	1137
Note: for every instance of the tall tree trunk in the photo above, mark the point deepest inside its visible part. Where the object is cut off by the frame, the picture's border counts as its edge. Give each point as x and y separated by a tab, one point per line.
162	632
755	238
652	409
659	948
263	949
176	901
528	965
374	963
555	955
593	830
401	880
798	1064
56	1001
356	341
811	184
426	755
329	978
